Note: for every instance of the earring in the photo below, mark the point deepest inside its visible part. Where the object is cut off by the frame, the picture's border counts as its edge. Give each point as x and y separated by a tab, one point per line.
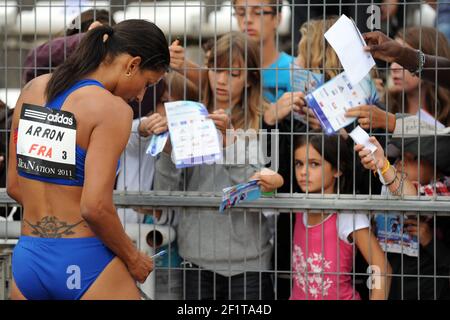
128	74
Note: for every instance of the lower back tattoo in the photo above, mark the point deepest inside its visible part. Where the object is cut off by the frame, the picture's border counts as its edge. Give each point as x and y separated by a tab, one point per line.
52	227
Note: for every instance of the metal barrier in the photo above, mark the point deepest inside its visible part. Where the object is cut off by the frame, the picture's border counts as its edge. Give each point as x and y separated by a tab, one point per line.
283	204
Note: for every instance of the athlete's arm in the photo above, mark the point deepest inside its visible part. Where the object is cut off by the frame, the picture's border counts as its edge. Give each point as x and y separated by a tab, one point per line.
107	141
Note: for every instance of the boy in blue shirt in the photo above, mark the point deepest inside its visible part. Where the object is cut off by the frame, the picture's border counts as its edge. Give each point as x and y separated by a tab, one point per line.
259	19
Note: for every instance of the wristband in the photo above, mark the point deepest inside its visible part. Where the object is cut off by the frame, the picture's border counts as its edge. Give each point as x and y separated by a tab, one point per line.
386	166
420	63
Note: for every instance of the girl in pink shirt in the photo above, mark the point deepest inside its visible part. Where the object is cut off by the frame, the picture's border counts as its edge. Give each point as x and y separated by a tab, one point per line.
323	245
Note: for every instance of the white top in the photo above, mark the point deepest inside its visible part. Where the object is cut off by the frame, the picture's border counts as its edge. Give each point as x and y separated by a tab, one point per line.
136	171
346	223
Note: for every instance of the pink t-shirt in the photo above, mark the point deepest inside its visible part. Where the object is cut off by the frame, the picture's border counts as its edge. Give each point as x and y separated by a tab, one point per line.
320	260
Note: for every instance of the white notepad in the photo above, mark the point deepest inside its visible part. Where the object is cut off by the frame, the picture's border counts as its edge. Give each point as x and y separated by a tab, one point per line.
349	44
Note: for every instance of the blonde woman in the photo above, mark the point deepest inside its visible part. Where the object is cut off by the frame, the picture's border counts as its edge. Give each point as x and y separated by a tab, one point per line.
409	92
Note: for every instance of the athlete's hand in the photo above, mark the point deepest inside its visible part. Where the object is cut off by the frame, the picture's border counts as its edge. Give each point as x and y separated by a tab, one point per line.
140	267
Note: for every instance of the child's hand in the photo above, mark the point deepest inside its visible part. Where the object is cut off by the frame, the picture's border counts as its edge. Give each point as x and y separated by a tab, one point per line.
314	124
176	55
154	124
372	116
289	101
369	161
269	180
222	122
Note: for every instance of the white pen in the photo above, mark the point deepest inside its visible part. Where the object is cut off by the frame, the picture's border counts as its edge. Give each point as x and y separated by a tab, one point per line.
144	296
159	254
378	170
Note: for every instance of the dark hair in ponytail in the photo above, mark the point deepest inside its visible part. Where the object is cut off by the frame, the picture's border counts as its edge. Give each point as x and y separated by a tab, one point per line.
135	37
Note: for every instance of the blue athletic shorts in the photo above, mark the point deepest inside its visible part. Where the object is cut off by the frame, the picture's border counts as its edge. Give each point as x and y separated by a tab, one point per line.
61	269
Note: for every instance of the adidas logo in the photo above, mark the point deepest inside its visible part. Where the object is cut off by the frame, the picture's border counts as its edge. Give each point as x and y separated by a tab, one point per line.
60	118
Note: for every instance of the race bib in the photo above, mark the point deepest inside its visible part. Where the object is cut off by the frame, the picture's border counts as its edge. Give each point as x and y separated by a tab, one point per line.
46	142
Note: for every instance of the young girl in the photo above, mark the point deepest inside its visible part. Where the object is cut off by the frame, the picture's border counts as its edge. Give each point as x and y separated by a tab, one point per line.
420	259
405	96
323	247
223	251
